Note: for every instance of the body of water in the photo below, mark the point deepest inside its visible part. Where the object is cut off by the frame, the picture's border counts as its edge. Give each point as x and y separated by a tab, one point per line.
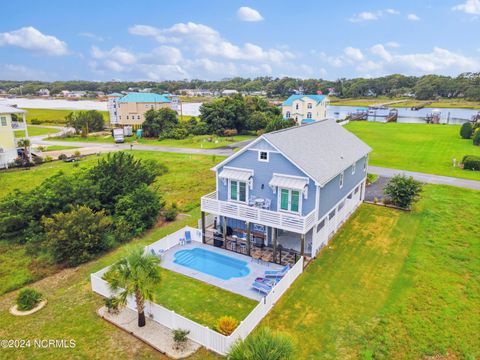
60	104
406	115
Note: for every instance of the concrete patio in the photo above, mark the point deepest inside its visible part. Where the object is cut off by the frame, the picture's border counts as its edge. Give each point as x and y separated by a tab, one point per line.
238	285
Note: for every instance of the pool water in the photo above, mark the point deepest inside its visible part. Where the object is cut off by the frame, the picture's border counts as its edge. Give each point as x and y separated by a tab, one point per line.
212	263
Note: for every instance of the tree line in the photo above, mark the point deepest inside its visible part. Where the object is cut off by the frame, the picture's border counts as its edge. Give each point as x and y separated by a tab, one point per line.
465	85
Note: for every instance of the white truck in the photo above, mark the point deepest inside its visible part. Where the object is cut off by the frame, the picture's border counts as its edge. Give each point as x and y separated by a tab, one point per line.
118	135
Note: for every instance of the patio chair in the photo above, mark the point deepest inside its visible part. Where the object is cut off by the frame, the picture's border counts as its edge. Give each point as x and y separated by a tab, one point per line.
267	204
261	287
159	253
277	273
251	200
188	237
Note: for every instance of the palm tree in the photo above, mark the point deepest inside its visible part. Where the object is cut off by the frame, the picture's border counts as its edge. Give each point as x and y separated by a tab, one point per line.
136	274
25	144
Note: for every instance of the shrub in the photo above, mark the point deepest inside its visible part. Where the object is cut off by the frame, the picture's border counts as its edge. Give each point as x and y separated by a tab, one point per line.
171	213
476	138
471	162
226	325
76	236
403	191
35	122
37	160
27	299
62	157
262	345
371	178
112	305
230	132
466	130
76	153
47	158
177	133
201	128
180	337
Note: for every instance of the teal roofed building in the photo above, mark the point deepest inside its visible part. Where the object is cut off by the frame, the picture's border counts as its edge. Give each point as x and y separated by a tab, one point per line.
144	98
306	108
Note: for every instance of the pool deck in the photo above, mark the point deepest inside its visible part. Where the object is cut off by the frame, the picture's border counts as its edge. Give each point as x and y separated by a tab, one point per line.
238	285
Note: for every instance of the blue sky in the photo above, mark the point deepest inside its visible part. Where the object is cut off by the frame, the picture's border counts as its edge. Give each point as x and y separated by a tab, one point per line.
169	40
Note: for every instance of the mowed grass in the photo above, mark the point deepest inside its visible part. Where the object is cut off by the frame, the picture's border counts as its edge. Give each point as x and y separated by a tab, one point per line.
193	142
59	147
392	284
36	130
417	147
189	177
406	102
53	116
71	312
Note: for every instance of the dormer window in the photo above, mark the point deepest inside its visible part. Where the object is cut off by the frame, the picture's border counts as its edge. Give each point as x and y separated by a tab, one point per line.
263	156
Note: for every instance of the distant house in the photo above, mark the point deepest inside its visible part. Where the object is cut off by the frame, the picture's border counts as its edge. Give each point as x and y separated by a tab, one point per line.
43	92
195	92
77	94
130	109
283	195
229	92
305	108
8	141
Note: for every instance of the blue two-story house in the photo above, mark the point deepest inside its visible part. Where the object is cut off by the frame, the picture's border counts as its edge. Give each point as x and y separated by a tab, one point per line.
290	189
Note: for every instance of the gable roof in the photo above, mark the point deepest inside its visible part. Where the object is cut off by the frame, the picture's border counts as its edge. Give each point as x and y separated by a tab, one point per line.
6	109
322	149
144	98
292	98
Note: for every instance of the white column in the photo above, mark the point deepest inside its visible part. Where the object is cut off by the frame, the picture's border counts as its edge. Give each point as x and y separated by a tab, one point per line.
25	124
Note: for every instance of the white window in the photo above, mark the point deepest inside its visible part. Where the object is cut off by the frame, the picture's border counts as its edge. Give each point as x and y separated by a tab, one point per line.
127	117
341	179
263	156
296	106
320	225
138	117
309	106
237	190
354	166
287	115
331	215
4	121
290	200
309	115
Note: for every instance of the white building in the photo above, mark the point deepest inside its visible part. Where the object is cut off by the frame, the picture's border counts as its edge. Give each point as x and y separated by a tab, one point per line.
8	142
43	92
305	108
228	92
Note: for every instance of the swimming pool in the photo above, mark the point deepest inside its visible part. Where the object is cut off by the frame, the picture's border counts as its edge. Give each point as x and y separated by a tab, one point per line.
212	263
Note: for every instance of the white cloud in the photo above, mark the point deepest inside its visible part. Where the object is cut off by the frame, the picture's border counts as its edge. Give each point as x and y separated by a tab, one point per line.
469	7
30	38
21	72
205	41
353	53
413	17
372	15
381	52
91	36
392	44
246	13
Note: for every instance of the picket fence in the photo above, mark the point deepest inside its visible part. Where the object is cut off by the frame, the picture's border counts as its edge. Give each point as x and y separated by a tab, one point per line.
201	334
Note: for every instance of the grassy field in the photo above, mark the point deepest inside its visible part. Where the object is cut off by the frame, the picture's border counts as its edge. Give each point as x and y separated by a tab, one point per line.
188	178
59	147
53	116
194	142
35	131
416	147
442	103
392	284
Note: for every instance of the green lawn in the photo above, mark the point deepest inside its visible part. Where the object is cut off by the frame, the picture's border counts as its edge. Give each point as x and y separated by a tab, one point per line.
392	284
189	177
194	142
35	131
416	147
59	147
53	116
442	103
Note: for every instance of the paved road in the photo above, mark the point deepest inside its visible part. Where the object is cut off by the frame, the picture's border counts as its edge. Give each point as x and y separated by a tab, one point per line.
227	151
426	178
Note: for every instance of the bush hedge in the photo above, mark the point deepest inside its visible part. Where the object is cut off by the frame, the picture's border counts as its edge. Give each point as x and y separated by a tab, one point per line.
471	162
466	130
476	137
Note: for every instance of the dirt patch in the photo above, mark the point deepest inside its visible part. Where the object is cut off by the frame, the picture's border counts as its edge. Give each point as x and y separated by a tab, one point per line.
14	309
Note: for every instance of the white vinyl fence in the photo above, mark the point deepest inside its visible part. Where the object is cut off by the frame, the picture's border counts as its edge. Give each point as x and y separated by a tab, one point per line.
203	335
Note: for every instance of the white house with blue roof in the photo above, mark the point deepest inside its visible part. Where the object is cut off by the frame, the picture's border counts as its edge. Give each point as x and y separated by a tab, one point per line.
130	109
290	189
305	109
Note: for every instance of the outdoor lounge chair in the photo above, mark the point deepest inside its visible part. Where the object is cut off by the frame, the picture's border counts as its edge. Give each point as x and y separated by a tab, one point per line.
159	254
188	237
277	273
261	287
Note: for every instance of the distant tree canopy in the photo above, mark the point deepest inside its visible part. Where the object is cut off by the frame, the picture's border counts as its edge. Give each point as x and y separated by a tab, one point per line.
85	122
466	85
158	121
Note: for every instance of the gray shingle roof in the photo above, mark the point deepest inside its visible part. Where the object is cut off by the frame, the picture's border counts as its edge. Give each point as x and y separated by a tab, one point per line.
322	149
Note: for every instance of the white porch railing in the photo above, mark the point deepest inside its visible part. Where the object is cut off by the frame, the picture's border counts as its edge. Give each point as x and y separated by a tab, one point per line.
18	125
203	335
277	219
